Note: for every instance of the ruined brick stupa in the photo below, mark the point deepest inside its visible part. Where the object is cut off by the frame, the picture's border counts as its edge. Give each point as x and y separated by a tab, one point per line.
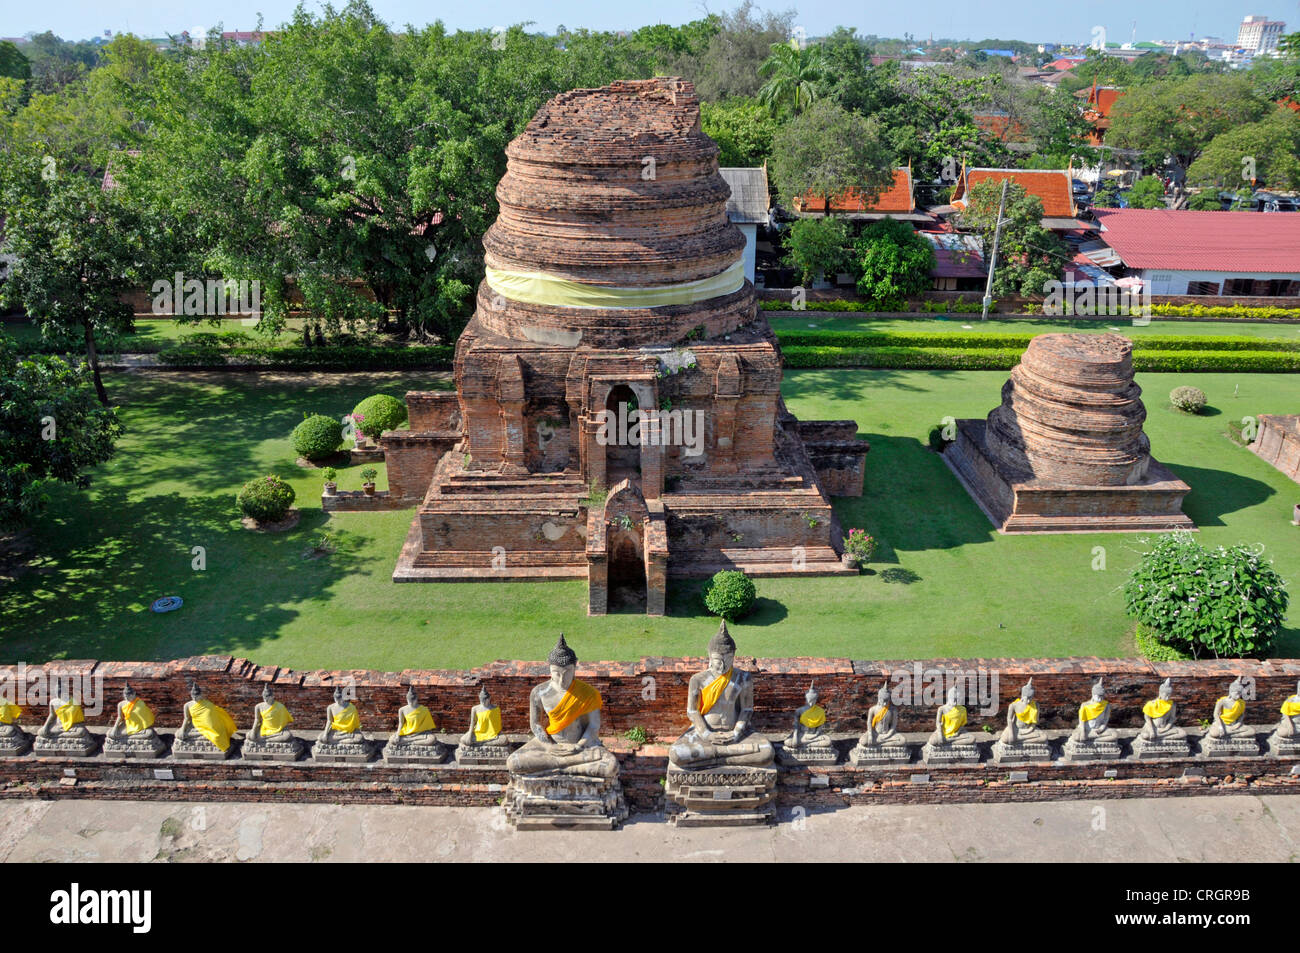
1065	451
614	286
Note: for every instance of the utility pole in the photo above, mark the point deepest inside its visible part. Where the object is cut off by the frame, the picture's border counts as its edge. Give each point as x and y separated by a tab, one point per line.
993	259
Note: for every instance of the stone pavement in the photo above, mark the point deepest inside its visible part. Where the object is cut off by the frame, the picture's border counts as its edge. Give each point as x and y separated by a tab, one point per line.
1221	828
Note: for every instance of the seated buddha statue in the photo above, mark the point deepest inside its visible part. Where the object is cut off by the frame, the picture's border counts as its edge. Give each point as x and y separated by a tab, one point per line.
342	722
1022	720
13	740
205	721
66	720
809	725
1094	719
882	723
132	729
720	704
415	725
271	722
1229	719
1289	727
1160	717
950	724
484	722
564	716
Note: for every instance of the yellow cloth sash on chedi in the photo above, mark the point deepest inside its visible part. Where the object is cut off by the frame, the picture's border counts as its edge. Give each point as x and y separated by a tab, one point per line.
69	714
487	724
1157	708
347	721
953	720
212	722
814	717
9	714
711	692
579	700
1091	711
417	722
275	719
1232	710
535	287
1291	707
137	716
1029	714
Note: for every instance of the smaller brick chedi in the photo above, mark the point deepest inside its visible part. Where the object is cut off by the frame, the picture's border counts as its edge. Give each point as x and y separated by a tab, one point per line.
1065	451
617	414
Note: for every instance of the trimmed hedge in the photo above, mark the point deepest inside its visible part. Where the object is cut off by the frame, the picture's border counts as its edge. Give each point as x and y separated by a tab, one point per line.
1003	359
1153	649
983	340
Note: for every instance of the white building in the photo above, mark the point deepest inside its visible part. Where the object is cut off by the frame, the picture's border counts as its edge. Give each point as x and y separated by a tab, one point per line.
1259	34
747	208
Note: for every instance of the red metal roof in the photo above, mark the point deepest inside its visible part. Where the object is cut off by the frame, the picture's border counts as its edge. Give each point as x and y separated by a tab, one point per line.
1180	240
1051	186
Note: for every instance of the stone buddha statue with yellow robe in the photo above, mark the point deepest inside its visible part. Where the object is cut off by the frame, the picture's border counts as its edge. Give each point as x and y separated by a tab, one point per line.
564	716
415	739
882	741
65	731
1285	739
206	728
1093	739
13	740
720	706
132	733
341	740
1022	739
950	740
1160	735
270	737
809	739
483	743
1229	733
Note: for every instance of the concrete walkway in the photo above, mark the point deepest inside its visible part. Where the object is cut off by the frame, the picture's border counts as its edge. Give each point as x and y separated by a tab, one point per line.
1236	828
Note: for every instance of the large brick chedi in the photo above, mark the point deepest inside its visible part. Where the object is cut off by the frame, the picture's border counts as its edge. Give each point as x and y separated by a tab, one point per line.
615	288
1065	451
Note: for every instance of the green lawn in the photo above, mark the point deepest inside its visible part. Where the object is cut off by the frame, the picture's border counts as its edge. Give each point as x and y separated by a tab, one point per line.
150	333
833	321
945	585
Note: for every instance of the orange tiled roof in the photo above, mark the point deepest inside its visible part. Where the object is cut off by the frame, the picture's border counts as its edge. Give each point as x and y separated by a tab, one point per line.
1001	127
897	199
1052	187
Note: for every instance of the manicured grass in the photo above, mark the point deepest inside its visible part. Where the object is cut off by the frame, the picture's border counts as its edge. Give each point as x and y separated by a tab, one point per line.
150	334
945	584
831	321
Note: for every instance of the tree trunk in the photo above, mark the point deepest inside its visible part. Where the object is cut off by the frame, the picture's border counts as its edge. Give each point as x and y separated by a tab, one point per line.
92	358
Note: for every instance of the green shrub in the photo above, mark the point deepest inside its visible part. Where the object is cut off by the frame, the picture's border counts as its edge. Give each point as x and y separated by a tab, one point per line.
329	474
1154	650
936	439
378	413
266	499
317	437
730	594
369	474
1005	358
1225	601
341	358
1190	400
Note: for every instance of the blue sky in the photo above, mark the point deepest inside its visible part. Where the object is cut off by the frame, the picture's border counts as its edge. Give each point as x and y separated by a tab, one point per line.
1011	19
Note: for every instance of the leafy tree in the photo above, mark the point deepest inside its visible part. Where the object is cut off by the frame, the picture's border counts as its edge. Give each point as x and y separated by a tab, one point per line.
55	62
1179	118
1029	255
894	261
817	246
52	429
742	128
76	248
13	64
1207	200
728	65
827	150
1147	192
1263	152
1224	601
1107	194
793	75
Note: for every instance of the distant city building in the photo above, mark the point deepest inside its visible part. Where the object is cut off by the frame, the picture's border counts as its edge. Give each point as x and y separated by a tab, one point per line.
1259	34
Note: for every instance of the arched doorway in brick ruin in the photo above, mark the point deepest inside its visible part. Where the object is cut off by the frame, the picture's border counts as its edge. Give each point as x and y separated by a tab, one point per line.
622	455
625	523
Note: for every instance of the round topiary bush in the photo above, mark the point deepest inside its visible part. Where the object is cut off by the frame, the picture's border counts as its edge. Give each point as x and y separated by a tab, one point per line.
317	437
1190	400
266	499
1225	602
729	594
376	414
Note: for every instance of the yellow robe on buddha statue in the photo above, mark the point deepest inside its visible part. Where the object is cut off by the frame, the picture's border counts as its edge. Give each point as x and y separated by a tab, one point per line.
1232	711
9	714
212	722
954	719
1291	707
347	721
579	700
417	722
69	713
136	716
275	719
814	717
1029	714
487	724
1157	708
1091	711
711	692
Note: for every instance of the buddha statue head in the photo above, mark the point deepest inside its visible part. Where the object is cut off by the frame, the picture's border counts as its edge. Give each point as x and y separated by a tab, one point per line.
411	698
1166	689
882	694
338	694
268	693
811	695
564	662
128	693
195	692
1099	689
1235	690
954	695
484	698
722	650
1027	691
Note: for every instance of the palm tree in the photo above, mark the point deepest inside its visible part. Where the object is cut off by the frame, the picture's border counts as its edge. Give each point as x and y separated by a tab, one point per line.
793	75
